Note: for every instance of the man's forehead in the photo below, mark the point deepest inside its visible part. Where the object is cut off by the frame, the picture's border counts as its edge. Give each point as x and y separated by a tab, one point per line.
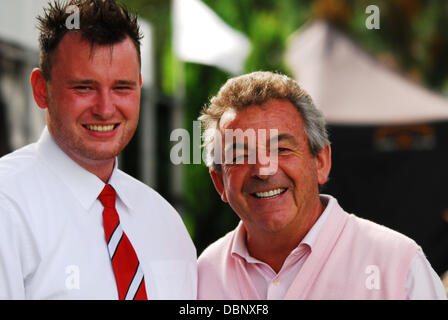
276	120
261	116
73	37
76	39
77	59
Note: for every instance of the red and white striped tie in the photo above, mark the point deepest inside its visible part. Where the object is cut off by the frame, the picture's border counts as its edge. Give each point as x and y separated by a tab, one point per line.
127	270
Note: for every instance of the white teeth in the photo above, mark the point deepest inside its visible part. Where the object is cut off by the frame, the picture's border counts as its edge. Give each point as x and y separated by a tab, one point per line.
270	193
100	128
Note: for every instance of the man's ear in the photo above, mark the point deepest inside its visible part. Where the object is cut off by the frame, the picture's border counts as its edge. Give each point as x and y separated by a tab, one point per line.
218	181
39	86
323	164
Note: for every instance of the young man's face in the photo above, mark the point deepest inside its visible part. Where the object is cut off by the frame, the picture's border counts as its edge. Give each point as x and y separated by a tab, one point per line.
286	198
93	98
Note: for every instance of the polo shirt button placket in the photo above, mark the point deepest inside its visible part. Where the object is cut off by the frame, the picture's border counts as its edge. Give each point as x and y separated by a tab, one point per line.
273	293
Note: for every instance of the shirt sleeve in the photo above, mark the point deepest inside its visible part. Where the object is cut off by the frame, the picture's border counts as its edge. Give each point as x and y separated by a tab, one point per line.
423	283
11	279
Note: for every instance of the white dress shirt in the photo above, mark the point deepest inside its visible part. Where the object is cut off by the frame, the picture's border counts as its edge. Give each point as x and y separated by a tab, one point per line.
422	281
52	243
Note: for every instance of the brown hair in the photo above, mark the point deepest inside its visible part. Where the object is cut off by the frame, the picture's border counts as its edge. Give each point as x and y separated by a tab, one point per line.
102	22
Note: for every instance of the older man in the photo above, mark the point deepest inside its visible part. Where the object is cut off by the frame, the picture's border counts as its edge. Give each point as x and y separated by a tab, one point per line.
72	225
292	242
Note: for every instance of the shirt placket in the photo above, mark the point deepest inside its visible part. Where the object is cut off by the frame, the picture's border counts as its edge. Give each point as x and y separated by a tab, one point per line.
279	284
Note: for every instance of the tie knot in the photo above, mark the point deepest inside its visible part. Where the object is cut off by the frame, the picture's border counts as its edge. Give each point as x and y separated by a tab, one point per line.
108	196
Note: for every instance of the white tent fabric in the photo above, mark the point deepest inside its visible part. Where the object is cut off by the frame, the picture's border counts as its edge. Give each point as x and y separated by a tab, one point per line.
351	88
18	22
200	36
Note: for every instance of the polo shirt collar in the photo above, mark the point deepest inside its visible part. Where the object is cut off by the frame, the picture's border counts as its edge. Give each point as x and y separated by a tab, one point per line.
85	186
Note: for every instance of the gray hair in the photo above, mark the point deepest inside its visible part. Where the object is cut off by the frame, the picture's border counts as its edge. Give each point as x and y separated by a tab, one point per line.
255	89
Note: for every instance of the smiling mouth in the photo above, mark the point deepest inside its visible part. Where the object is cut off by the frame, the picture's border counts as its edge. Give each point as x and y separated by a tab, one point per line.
269	194
100	128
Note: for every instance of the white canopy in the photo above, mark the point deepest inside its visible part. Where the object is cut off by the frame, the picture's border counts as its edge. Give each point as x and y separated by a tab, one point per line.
350	87
18	22
199	35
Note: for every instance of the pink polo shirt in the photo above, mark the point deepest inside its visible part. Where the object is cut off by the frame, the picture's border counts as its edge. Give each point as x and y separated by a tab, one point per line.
422	281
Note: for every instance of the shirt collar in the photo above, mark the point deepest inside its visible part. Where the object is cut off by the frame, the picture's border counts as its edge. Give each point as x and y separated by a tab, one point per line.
122	185
84	185
239	244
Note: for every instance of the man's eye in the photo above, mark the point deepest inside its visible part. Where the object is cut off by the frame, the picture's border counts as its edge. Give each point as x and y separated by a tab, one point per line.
83	88
239	157
122	88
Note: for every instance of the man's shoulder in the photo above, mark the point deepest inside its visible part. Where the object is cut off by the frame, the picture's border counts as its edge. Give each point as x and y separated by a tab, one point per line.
380	237
377	231
217	250
368	232
17	163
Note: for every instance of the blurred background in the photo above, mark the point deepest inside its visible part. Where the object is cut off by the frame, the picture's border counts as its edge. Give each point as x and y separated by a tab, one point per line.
380	75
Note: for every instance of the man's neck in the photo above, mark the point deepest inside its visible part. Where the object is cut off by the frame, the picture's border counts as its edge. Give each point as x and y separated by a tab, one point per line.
274	248
101	168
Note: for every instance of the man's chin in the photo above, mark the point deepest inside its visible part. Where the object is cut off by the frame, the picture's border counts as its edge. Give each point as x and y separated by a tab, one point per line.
96	153
86	152
101	155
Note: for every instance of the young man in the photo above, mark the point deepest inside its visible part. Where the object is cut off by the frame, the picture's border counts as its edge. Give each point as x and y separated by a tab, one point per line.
292	242
72	225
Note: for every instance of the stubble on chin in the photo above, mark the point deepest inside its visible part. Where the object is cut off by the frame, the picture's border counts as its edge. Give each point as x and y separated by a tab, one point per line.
75	146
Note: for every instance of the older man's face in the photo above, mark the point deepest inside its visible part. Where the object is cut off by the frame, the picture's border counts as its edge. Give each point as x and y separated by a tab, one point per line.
287	197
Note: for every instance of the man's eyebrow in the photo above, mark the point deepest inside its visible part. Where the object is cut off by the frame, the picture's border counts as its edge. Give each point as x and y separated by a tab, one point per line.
73	82
285	137
126	82
236	146
87	81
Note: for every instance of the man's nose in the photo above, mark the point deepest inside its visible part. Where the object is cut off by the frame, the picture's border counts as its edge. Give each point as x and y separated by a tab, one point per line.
104	106
264	168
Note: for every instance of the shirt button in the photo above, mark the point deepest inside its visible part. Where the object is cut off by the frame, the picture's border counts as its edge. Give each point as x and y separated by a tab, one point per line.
276	281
